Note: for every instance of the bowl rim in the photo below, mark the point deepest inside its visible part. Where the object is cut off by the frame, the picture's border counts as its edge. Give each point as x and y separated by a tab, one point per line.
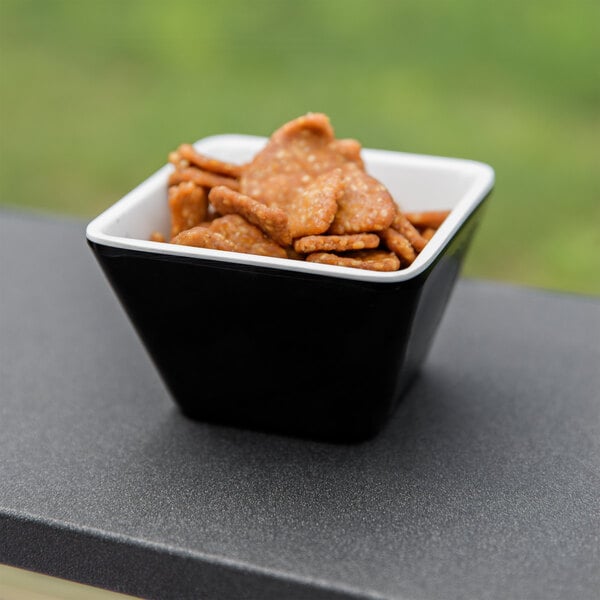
479	189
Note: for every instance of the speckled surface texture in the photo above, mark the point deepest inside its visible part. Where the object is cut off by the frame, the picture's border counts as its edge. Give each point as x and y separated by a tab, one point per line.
486	484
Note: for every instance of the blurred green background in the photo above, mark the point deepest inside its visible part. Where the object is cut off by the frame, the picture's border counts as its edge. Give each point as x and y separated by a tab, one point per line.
94	94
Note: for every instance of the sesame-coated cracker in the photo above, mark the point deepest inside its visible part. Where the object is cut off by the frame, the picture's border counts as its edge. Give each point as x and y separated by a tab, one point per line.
246	237
202	178
312	211
272	220
189	153
365	206
408	230
349	149
316	122
336	243
188	204
157	236
294	156
429	218
373	260
202	237
398	244
428	232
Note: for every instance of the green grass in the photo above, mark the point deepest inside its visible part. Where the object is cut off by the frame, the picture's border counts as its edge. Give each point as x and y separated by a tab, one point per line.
93	95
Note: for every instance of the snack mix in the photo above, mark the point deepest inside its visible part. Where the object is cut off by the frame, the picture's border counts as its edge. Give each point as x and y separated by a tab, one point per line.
305	196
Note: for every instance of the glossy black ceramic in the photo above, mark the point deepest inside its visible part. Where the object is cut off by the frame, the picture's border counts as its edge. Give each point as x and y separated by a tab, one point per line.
294	353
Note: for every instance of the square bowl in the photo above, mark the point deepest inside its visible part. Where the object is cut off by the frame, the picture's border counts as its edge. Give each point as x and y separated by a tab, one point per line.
280	345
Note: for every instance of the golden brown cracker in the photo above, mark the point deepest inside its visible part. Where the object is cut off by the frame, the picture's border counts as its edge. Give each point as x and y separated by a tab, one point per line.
272	220
398	244
429	218
294	156
312	211
157	236
408	230
188	153
246	237
373	260
318	123
273	181
202	178
350	149
428	232
177	160
202	237
365	206
188	205
336	243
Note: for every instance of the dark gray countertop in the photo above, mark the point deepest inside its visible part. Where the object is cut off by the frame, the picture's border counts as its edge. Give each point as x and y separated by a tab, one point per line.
485	485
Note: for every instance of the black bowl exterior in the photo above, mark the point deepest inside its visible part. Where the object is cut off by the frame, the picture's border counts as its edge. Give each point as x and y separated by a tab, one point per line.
282	351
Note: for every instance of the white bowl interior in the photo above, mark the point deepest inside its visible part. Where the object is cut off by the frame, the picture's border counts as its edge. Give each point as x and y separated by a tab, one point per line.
417	183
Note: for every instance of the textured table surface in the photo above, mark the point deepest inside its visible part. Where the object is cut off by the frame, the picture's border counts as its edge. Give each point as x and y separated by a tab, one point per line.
486	484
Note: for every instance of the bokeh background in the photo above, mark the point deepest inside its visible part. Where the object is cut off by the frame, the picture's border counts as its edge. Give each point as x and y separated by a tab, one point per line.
94	94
